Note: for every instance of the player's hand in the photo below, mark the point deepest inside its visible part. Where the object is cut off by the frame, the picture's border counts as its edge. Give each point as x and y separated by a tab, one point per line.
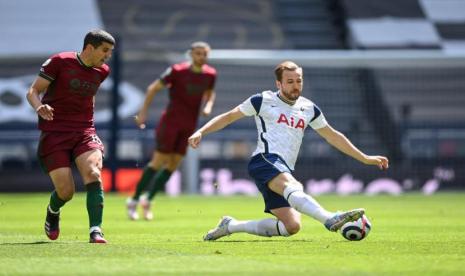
194	140
377	160
207	111
140	119
45	111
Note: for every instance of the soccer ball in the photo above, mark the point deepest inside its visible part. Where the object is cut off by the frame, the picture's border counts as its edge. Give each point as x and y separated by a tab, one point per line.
356	230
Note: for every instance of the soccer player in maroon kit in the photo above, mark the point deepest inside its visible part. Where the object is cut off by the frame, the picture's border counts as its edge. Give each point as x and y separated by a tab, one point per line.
70	81
189	84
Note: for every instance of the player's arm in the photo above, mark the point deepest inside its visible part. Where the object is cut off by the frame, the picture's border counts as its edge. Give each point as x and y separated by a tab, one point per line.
215	124
209	99
340	141
155	87
33	97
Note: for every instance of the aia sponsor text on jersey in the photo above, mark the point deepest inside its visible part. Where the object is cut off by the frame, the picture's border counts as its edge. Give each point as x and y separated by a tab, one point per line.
291	121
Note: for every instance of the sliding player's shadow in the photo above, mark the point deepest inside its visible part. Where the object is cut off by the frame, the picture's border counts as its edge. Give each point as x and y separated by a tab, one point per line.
274	240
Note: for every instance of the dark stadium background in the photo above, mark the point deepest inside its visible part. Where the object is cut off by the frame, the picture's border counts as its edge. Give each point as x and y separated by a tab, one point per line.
389	74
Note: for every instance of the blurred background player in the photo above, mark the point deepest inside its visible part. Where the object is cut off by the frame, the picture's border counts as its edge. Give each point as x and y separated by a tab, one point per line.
190	83
70	81
281	118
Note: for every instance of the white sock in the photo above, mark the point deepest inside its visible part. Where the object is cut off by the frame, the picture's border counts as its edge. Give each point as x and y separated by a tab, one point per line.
305	204
266	227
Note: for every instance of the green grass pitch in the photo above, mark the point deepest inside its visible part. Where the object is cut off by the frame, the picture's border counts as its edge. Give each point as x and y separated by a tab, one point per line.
412	235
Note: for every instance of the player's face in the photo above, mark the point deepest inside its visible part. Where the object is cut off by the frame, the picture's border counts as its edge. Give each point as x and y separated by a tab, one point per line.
102	54
199	56
291	84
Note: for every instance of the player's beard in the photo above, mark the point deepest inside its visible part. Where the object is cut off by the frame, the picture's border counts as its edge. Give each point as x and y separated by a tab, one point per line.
291	96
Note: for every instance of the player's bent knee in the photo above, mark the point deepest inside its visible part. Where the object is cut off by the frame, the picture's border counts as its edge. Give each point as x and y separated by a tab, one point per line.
67	197
292	227
94	175
65	194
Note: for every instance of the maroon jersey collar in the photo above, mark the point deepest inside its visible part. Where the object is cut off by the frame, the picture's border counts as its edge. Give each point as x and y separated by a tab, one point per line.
80	61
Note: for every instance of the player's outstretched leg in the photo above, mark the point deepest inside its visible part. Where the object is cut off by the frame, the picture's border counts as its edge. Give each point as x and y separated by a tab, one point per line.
268	227
306	204
146	207
131	206
220	230
340	218
52	224
96	235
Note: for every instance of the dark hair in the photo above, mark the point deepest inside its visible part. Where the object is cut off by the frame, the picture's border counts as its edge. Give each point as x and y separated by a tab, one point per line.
97	37
285	65
200	44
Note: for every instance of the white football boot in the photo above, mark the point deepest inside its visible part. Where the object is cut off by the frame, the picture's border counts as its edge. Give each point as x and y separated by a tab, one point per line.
340	218
220	230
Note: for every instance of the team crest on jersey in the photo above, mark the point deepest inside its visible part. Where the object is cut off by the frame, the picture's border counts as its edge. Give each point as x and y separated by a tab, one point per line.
75	84
291	121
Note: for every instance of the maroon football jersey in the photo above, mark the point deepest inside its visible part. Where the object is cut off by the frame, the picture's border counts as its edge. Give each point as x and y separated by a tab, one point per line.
186	90
71	92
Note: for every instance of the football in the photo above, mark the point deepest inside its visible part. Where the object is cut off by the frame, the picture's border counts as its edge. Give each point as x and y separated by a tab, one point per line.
356	230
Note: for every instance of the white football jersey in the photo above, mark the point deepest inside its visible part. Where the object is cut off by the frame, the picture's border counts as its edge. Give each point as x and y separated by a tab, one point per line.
281	126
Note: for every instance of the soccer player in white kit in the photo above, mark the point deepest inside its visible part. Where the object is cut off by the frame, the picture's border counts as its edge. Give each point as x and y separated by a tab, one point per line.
281	119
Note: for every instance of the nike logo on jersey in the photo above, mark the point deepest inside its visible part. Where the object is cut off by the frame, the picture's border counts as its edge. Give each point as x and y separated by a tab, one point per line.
291	121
